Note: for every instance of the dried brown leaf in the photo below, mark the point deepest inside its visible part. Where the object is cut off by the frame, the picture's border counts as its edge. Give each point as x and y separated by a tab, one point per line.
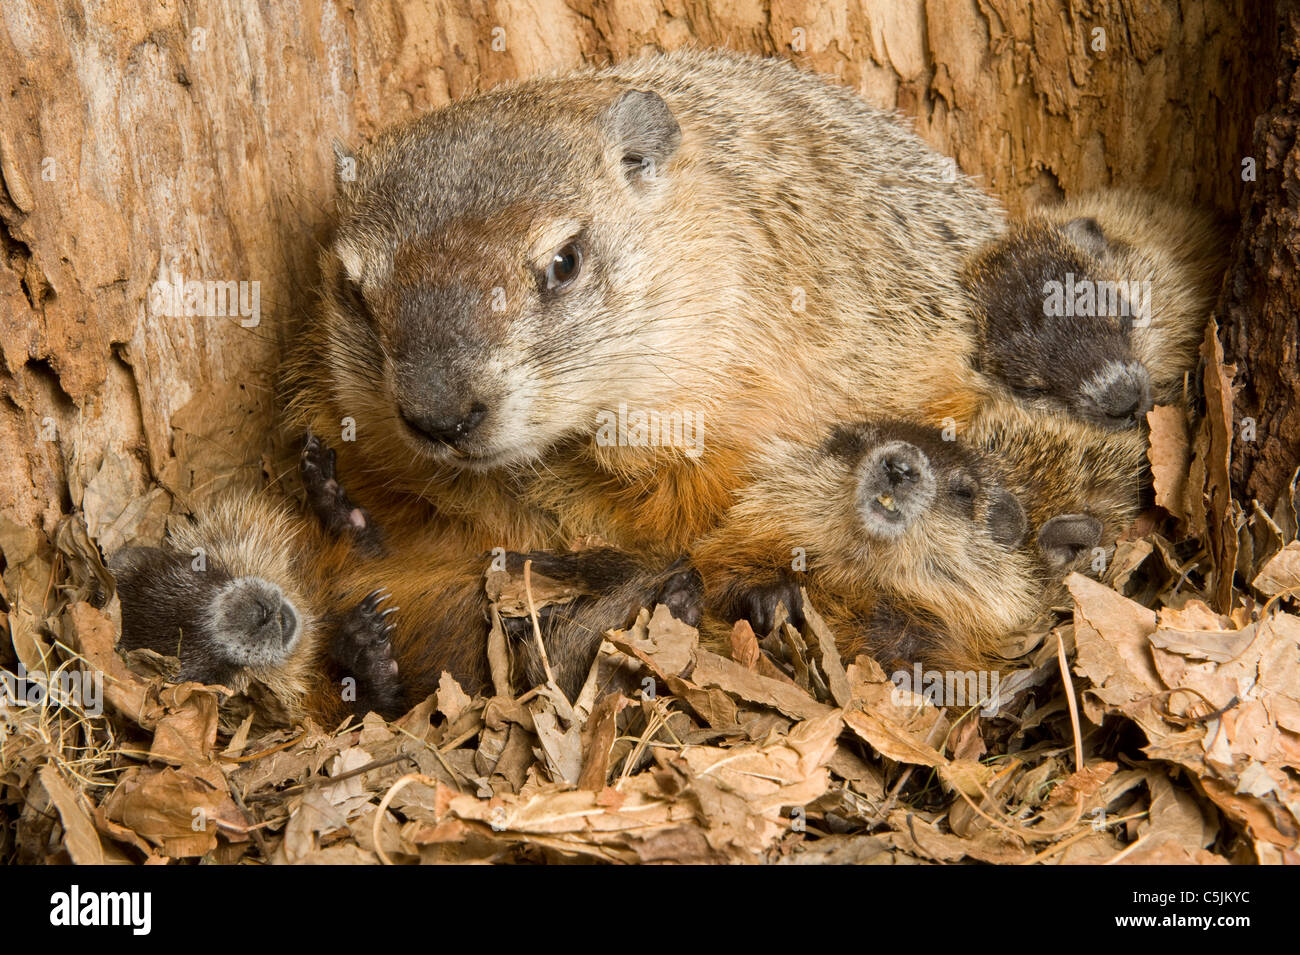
1282	573
80	838
1170	455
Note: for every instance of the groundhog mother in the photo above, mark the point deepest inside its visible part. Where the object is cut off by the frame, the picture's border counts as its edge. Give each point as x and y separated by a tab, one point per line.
517	280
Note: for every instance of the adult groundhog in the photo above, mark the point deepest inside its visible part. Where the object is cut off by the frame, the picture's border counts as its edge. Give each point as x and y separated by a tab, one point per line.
576	306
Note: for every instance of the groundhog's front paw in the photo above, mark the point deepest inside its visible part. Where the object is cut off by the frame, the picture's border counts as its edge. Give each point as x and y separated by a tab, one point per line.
683	595
362	645
329	501
758	604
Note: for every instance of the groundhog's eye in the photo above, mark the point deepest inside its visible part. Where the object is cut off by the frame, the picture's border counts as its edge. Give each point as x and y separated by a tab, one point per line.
565	265
963	489
350	297
1027	390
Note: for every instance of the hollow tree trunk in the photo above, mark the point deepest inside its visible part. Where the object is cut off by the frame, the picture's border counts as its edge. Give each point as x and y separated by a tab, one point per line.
1260	308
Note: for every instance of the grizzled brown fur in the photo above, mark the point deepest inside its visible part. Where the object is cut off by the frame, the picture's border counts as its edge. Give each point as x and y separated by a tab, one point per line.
696	233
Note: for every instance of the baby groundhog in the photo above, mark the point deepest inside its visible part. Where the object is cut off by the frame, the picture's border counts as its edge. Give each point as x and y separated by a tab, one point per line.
913	548
880	513
1081	486
1097	305
332	615
251	591
968	539
881	523
1085	362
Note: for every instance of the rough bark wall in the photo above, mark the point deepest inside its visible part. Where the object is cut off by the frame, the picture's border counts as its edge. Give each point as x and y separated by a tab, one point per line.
144	140
1260	309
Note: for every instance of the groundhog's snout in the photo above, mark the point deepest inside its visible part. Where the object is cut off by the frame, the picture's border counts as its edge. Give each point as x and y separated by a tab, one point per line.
1117	395
440	356
895	486
450	427
255	623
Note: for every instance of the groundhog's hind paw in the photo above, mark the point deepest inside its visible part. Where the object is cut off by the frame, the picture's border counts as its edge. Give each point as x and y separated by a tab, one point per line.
362	646
683	595
758	605
330	502
597	569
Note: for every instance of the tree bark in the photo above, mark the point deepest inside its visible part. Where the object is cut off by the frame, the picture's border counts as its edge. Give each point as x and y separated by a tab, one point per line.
140	141
1260	307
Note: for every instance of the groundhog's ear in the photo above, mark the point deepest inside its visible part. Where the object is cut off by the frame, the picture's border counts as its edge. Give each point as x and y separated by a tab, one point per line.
1006	520
1086	233
130	564
1066	536
646	134
345	165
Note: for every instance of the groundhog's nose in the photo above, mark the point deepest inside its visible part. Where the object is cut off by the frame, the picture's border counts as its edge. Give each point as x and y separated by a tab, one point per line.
902	467
895	485
1121	394
450	429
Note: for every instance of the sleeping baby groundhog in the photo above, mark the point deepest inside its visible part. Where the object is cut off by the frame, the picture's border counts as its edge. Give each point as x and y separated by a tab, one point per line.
250	591
968	539
1097	305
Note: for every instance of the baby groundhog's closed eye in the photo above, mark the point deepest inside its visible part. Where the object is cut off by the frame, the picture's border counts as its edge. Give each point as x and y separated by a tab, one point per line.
1054	325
